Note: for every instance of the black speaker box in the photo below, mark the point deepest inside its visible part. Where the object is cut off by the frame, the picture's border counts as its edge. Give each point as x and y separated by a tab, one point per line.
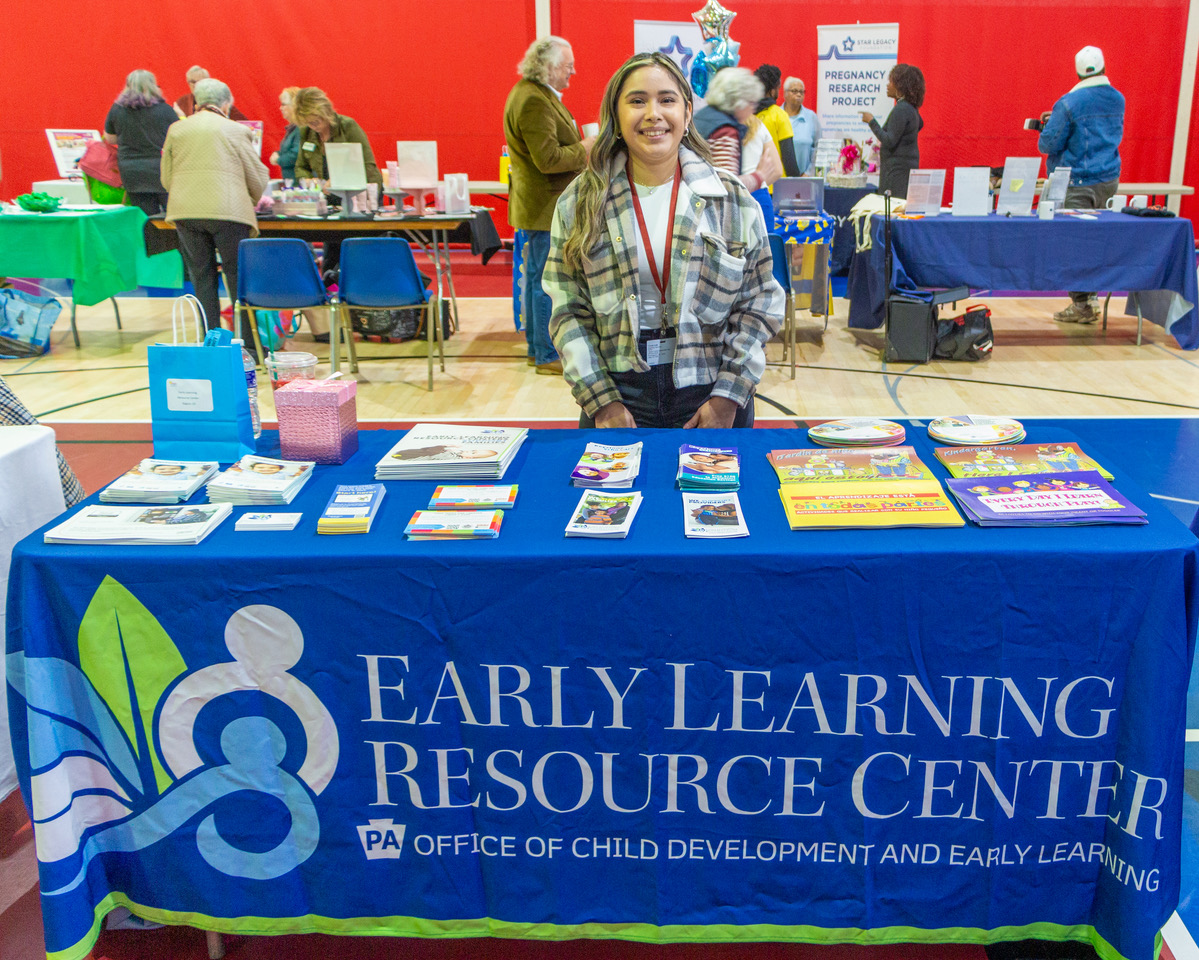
911	330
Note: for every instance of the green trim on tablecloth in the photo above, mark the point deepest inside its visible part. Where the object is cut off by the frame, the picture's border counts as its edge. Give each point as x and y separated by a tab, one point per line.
639	932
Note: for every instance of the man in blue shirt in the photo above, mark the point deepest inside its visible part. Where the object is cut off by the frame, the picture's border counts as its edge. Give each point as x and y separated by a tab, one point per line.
805	126
1083	132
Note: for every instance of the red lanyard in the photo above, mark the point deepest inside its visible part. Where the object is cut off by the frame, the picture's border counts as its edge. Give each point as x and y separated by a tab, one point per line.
660	280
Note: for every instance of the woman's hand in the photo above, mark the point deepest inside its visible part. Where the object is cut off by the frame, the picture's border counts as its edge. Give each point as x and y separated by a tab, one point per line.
770	167
715	412
614	414
275	159
866	116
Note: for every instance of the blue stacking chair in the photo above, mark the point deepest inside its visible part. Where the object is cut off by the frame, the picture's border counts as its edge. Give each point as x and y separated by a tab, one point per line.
781	268
380	273
280	274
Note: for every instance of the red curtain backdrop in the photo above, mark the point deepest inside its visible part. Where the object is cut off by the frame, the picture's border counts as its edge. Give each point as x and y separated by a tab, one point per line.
441	69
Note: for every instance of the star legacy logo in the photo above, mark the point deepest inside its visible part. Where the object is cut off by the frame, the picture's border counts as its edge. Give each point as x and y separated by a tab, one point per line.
847	44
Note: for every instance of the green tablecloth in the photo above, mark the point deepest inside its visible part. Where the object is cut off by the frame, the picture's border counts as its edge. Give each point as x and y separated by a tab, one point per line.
100	250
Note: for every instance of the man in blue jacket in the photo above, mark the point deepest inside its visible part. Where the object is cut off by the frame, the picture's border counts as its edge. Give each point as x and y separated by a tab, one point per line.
1083	132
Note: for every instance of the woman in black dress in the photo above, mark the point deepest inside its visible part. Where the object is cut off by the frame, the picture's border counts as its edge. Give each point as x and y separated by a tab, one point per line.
137	123
899	152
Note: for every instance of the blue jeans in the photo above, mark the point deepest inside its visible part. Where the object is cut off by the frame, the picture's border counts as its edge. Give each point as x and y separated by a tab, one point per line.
538	306
654	400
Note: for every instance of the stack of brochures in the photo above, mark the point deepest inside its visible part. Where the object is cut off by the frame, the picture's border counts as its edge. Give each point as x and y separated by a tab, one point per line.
846	488
351	508
713	515
454	525
254	481
159	481
1044	500
267	521
446	451
98	523
708	468
490	497
611	467
1022	459
975	431
857	432
600	513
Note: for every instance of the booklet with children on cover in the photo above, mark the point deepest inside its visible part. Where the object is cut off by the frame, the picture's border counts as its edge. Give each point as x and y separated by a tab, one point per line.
611	467
708	468
159	481
600	513
1044	500
713	515
839	464
1019	459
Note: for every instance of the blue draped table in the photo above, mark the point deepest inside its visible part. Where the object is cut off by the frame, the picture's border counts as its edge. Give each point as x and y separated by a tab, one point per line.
961	735
1115	251
839	203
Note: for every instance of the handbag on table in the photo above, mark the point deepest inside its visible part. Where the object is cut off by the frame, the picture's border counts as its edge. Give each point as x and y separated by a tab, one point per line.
199	403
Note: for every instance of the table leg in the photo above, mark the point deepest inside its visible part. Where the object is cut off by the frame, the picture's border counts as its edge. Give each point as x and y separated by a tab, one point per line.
117	310
216	944
449	278
334	338
74	329
441	239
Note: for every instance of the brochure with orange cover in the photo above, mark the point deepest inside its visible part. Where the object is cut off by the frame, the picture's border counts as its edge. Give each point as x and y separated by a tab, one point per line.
848	464
869	503
1018	460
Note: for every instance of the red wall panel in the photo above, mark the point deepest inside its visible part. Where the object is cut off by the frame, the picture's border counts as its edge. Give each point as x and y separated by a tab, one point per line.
441	69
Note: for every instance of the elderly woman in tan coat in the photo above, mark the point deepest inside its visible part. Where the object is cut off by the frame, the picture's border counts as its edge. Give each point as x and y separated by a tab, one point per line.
214	179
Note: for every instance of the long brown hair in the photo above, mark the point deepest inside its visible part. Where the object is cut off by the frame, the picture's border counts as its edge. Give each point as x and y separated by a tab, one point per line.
594	183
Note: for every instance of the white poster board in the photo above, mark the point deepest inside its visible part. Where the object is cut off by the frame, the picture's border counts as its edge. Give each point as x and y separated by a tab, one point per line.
678	39
346	167
852	65
925	189
68	147
416	164
1019	186
971	191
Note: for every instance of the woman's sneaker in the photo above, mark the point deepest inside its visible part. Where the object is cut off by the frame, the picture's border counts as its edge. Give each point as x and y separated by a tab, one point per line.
1077	313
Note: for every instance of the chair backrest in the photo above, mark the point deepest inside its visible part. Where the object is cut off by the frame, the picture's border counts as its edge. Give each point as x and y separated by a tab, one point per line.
379	272
781	268
279	274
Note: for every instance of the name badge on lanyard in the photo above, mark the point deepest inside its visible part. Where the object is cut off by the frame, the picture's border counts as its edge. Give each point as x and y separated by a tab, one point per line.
661	351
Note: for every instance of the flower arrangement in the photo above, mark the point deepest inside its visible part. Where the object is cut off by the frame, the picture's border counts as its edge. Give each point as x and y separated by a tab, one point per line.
872	158
850	158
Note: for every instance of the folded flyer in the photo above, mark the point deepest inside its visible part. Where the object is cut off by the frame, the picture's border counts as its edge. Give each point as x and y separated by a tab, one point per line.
1044	500
481	497
608	466
713	515
351	508
600	513
708	468
454	525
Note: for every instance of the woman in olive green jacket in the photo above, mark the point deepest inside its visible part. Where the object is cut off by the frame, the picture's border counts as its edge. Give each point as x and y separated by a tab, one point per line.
321	124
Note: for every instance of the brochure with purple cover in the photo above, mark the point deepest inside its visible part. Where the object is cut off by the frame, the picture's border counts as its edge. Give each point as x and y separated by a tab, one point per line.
1044	500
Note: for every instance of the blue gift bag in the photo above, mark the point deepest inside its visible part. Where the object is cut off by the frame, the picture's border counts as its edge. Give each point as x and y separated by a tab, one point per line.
199	404
25	323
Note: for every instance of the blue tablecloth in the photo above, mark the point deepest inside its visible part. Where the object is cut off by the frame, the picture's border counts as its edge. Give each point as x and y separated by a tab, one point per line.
838	202
898	735
1112	252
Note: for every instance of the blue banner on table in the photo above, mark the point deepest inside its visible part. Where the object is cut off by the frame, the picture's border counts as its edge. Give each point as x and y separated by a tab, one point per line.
545	738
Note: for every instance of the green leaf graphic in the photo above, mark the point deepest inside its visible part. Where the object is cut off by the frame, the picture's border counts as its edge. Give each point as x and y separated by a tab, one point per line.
130	660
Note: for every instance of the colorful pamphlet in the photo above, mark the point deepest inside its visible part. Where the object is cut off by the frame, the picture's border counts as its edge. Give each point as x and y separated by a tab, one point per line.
712	515
447	451
255	480
841	464
454	525
489	497
159	481
871	503
600	513
351	508
100	523
857	432
1021	459
968	431
1044	500
609	466
267	521
708	468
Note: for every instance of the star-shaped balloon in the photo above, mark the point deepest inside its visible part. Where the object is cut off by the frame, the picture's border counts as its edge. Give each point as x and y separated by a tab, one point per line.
713	20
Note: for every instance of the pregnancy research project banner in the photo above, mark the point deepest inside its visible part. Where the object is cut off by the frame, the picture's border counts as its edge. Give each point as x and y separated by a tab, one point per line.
852	67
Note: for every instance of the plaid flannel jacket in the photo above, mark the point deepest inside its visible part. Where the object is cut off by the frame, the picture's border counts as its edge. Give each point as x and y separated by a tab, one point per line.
724	302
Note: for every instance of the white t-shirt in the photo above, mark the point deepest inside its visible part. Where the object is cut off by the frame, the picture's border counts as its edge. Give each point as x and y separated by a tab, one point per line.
655	207
751	149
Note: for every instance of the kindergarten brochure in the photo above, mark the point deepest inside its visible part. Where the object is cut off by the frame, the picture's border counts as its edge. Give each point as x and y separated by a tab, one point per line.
1021	459
841	464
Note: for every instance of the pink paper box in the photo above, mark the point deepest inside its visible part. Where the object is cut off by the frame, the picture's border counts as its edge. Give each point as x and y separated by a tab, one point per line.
318	420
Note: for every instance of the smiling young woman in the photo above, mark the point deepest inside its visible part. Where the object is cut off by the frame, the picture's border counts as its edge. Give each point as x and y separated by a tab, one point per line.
659	268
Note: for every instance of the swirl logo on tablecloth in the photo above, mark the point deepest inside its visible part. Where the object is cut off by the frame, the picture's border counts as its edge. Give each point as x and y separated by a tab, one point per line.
114	759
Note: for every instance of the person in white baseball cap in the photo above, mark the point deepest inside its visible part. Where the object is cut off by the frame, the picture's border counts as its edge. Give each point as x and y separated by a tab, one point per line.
1083	132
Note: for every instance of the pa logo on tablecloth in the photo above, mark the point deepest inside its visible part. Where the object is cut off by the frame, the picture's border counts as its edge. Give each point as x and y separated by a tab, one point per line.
124	769
382	839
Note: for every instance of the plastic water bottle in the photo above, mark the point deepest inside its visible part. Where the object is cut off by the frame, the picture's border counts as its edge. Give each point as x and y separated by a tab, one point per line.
247	362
